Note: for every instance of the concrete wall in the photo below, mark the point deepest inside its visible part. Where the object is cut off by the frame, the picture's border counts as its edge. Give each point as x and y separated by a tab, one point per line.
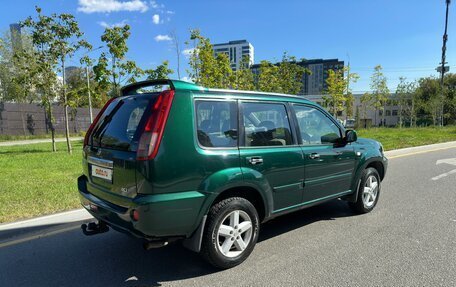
31	119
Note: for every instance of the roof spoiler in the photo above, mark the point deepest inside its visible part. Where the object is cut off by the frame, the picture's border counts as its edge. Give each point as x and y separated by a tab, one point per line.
132	88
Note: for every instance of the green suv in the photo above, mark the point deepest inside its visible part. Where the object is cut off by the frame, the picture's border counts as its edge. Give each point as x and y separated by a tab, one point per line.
169	160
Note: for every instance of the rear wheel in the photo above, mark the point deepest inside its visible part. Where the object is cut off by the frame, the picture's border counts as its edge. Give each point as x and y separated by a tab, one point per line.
368	192
231	232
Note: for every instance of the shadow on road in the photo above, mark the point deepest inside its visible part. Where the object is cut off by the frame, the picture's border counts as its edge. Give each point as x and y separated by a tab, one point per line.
113	259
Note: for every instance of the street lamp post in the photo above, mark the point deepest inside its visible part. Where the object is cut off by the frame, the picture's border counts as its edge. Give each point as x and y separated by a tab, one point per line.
443	69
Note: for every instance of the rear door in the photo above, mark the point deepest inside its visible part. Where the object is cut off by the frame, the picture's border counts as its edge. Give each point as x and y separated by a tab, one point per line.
268	146
111	154
329	165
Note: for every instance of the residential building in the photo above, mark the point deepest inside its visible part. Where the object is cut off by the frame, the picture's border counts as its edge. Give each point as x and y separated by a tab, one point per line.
368	116
236	52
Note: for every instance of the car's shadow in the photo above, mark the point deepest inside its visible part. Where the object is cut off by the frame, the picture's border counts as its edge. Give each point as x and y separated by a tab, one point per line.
113	259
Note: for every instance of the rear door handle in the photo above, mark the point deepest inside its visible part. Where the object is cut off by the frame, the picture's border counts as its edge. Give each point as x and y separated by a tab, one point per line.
314	156
254	160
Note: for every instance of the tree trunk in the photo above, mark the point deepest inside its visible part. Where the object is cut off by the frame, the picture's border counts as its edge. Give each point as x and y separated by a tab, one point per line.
51	125
24	130
65	107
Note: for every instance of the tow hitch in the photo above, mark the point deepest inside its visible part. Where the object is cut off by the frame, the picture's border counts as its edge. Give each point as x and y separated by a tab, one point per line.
94	228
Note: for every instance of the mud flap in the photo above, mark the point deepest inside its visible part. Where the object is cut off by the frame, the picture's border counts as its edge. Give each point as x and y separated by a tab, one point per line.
193	243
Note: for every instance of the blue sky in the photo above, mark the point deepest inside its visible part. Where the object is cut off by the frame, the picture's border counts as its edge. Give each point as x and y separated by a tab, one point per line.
405	36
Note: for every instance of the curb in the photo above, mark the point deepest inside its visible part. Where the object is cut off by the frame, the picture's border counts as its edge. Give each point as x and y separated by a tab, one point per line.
52	219
419	149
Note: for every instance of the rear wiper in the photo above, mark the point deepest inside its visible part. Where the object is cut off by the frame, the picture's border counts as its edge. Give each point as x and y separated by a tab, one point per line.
104	123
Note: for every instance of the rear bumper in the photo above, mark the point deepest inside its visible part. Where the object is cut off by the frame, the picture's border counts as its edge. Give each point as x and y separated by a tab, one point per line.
160	215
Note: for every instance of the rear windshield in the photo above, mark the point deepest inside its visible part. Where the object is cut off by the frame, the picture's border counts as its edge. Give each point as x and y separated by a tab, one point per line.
121	123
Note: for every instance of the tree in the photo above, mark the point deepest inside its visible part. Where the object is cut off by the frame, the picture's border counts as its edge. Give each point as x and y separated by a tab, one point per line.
114	71
283	77
162	71
428	93
339	96
243	79
12	67
380	91
63	36
290	75
406	99
207	69
335	97
450	95
267	79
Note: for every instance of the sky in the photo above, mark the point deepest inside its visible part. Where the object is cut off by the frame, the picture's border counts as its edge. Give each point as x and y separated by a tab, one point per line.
405	36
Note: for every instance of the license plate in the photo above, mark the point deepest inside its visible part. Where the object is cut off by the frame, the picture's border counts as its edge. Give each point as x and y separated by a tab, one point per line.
102	172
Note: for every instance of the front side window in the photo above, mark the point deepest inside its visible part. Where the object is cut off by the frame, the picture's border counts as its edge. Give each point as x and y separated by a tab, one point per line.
315	127
216	123
266	124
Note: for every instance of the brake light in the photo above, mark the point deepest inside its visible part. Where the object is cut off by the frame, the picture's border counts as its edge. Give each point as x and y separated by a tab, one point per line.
95	121
153	131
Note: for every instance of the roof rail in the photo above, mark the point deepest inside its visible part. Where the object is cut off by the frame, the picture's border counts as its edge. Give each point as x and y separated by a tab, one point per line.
173	84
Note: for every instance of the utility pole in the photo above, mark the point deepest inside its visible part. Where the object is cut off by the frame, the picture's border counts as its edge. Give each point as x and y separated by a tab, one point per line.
443	69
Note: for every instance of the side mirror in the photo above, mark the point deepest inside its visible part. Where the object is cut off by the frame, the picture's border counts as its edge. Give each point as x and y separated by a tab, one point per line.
351	136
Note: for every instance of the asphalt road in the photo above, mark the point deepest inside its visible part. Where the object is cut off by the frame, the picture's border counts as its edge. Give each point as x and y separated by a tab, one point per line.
408	240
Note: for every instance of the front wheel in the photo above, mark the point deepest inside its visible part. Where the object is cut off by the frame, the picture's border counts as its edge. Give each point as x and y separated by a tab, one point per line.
231	232
368	192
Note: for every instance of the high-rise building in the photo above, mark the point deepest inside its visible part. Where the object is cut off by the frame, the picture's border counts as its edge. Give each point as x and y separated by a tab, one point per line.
16	36
315	82
236	51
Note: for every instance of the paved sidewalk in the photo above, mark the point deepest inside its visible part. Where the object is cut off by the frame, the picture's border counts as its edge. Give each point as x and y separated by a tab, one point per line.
23	142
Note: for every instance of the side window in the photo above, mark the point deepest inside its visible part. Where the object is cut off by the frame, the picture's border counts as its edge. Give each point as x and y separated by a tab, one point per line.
216	123
315	127
266	124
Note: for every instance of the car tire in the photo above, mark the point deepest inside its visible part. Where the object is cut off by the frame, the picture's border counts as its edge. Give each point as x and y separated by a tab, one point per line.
231	232
368	192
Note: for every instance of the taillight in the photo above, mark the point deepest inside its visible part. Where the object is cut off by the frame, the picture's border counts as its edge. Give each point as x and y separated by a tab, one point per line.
95	121
153	131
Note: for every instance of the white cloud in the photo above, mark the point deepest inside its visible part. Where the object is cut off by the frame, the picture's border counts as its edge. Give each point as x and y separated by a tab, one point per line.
156	19
160	38
108	6
170	12
155	5
118	24
188	52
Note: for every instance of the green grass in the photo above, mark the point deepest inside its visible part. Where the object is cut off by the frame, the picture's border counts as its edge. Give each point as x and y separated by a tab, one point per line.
35	181
395	138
